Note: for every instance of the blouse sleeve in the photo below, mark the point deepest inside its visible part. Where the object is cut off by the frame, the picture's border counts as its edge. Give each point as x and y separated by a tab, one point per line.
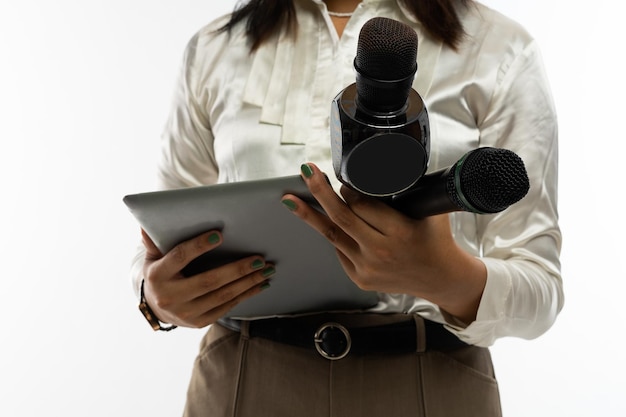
187	158
520	246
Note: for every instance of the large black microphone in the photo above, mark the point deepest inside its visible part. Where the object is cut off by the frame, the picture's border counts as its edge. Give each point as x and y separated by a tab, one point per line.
483	181
380	135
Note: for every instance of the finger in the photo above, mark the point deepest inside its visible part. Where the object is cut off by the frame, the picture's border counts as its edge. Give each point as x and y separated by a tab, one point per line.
347	264
182	254
152	252
219	301
183	301
346	247
252	269
213	314
233	290
374	211
320	223
334	206
186	299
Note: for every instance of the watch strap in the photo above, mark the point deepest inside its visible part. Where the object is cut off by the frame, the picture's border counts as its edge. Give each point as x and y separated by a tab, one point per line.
147	312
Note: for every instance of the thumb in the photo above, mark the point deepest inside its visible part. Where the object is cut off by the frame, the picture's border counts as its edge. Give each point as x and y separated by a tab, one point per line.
152	252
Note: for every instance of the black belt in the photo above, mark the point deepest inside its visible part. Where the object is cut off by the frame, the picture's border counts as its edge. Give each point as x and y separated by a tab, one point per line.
334	340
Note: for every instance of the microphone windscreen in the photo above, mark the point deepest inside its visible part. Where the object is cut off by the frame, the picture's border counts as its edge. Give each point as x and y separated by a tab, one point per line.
386	50
386	61
490	179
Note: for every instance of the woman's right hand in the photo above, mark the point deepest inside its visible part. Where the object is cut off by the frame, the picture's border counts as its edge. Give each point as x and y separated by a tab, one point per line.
202	299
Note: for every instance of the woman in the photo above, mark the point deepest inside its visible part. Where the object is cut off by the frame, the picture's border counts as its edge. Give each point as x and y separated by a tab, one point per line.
253	101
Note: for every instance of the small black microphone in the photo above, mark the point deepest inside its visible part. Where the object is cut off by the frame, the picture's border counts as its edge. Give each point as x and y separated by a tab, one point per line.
380	135
483	181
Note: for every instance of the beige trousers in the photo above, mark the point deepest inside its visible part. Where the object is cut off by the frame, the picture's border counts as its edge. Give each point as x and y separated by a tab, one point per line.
238	376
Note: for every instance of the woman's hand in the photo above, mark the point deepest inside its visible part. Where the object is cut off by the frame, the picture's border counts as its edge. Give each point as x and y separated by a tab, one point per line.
199	300
383	250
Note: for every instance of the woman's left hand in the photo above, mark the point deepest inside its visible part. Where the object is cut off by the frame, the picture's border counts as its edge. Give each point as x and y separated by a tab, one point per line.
383	250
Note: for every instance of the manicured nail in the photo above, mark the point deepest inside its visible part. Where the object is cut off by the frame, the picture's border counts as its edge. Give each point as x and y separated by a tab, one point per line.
257	263
269	271
291	205
265	285
306	170
214	238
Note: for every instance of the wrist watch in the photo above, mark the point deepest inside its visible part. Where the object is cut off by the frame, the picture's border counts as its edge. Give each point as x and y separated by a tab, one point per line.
150	316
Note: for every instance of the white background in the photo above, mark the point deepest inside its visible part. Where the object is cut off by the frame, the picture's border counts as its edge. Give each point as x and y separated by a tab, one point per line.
85	88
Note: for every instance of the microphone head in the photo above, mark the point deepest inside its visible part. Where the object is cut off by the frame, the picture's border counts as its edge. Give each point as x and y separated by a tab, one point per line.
488	180
385	62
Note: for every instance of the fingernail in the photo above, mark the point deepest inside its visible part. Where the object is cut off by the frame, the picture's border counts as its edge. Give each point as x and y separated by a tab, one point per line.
257	263
269	271
265	285
214	238
291	205
306	170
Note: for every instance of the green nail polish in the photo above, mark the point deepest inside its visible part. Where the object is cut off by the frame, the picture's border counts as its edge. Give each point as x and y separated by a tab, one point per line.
306	170
291	205
269	271
265	285
214	238
257	263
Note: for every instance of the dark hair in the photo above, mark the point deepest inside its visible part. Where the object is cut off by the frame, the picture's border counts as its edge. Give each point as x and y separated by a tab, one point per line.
265	17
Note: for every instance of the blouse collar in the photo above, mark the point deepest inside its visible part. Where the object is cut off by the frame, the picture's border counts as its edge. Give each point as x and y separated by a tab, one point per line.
271	81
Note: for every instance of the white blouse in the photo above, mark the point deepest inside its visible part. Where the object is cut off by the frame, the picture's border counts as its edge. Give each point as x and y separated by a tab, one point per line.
241	116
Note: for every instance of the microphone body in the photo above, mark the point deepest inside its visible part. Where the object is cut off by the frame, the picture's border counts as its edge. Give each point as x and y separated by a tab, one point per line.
379	156
484	181
380	134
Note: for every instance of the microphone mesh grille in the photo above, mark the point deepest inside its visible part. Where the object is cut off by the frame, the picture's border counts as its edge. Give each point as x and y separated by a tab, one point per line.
387	49
387	53
492	179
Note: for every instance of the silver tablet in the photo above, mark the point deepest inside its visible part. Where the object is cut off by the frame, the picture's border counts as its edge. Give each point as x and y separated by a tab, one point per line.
253	221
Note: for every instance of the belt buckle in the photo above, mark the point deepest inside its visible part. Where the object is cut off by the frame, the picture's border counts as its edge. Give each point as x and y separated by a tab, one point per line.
329	343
